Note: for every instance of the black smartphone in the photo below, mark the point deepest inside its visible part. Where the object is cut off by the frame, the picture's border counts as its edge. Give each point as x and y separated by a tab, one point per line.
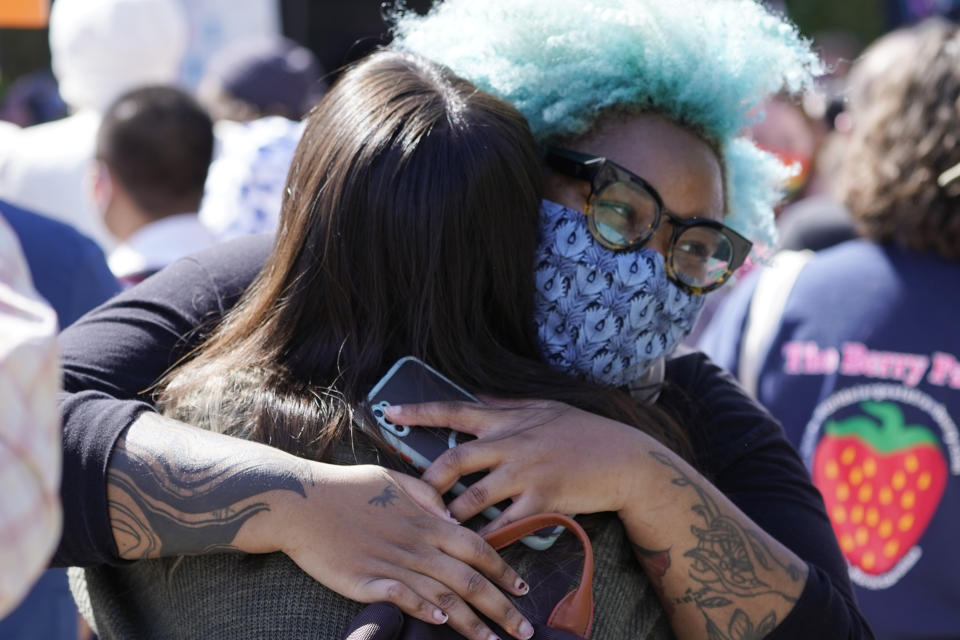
411	381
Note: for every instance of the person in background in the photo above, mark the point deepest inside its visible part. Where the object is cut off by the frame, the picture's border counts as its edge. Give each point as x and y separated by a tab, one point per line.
68	269
268	77
30	448
785	131
33	99
70	273
808	134
152	154
816	220
99	50
256	92
856	349
814	223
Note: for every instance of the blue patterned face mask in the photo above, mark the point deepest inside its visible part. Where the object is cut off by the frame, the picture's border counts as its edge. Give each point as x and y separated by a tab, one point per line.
603	315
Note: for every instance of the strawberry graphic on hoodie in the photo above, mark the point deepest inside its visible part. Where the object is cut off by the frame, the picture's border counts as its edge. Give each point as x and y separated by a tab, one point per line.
881	480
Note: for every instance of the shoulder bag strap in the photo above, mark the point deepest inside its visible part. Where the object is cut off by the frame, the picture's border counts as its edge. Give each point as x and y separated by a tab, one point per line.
574	613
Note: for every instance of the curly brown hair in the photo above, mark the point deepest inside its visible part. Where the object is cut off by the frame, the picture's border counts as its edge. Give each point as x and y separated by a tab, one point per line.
905	104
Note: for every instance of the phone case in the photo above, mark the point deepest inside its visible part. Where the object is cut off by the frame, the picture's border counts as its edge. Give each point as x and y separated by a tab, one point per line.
411	381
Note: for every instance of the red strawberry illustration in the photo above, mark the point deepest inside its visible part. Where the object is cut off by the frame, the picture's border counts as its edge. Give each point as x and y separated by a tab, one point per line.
881	481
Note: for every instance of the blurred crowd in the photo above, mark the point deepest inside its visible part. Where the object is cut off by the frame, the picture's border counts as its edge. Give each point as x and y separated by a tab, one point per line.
115	163
112	167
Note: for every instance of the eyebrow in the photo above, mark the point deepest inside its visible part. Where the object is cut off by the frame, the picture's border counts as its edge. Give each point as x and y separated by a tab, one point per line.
696	214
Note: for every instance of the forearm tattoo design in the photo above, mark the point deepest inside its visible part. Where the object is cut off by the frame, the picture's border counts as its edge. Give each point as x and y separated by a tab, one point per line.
177	504
656	562
729	562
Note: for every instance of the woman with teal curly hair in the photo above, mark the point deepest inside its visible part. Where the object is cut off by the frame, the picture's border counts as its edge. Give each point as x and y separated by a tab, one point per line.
572	68
638	106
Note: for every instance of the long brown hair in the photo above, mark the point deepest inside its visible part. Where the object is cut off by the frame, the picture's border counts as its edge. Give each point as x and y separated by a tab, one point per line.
409	227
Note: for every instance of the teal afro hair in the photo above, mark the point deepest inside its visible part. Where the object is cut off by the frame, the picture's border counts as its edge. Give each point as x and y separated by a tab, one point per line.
707	64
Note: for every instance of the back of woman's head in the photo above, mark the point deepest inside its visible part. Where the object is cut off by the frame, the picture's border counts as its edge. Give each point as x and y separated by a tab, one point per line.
567	64
408	226
896	176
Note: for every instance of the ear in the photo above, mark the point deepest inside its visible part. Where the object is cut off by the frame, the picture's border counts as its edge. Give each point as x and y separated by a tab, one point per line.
101	185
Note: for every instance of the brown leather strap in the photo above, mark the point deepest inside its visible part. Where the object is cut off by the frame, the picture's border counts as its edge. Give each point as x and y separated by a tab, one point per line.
574	613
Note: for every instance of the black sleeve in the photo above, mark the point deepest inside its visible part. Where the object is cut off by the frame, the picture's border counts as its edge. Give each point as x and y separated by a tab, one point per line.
743	450
112	356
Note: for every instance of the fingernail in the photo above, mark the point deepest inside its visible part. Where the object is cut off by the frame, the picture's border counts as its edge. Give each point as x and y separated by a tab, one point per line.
521	586
494	637
526	630
439	616
393	410
451	518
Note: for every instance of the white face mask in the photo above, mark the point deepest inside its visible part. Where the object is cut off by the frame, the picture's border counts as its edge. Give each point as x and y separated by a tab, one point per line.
603	315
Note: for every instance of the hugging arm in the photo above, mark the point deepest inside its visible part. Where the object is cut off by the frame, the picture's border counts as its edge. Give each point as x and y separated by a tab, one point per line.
137	485
750	461
111	357
747	553
718	574
367	533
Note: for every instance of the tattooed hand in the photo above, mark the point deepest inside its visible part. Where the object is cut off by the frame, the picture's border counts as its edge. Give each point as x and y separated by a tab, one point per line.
373	541
719	576
367	533
546	456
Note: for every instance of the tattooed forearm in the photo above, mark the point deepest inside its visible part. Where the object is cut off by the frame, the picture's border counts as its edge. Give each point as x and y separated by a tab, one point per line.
730	562
170	494
385	498
129	527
